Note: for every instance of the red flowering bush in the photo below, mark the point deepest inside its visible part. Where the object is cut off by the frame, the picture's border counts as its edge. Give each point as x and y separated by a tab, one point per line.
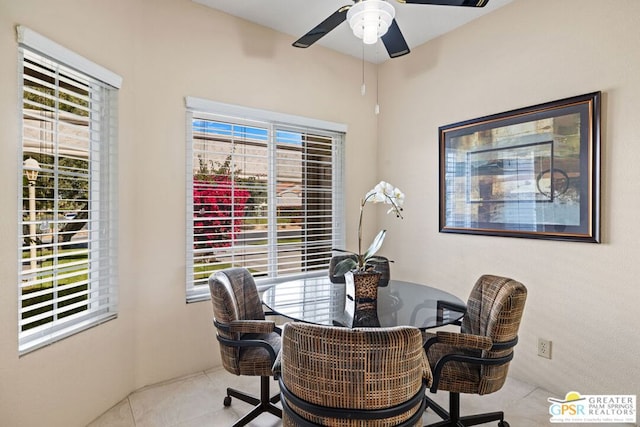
219	207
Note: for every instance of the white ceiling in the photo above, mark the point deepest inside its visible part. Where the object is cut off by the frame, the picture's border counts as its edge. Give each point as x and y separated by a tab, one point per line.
418	23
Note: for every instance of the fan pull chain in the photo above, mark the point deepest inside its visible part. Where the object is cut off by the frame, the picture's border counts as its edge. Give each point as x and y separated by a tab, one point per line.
376	110
363	88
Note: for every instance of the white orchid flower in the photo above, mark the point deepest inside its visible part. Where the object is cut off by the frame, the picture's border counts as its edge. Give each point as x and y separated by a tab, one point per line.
383	192
376	195
386	193
398	196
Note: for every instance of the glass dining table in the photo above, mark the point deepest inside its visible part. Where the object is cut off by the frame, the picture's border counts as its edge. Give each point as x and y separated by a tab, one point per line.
317	300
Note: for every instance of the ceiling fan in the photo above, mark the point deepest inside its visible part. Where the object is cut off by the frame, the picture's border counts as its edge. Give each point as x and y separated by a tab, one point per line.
373	19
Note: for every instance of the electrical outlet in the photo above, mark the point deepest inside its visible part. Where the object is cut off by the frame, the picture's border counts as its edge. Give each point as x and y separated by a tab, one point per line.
544	348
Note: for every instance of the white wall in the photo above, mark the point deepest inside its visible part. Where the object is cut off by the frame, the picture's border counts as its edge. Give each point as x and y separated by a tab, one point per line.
582	296
165	50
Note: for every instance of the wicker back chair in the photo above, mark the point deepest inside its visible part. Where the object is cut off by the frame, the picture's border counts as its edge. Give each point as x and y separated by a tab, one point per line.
476	360
249	344
333	376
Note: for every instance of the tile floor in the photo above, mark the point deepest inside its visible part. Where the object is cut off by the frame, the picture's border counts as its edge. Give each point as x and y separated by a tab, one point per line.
196	401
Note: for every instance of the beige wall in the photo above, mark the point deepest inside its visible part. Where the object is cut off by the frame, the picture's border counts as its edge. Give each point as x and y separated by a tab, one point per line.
581	296
164	50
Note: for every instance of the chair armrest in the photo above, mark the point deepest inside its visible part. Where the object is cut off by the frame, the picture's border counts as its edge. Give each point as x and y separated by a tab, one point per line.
252	326
244	343
277	366
427	376
466	342
460	340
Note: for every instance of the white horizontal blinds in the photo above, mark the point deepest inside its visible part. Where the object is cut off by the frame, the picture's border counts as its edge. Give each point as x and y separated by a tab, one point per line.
261	196
67	273
230	163
304	200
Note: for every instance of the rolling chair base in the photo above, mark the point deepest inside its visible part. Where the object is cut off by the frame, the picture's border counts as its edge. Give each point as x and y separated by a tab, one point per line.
262	405
453	418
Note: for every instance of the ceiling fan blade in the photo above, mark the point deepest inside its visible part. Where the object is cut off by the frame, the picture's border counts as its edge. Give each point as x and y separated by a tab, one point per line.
394	41
471	3
320	30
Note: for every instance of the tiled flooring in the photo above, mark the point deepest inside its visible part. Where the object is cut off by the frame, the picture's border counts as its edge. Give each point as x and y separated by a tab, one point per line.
196	401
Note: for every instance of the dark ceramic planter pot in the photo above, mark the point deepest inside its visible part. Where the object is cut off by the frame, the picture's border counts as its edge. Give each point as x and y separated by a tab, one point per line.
362	297
381	266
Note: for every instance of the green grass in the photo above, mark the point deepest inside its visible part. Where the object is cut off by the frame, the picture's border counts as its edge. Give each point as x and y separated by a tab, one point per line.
64	257
204	271
48	284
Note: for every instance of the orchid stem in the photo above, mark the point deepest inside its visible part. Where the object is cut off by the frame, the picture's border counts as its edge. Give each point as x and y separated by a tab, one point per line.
397	209
362	203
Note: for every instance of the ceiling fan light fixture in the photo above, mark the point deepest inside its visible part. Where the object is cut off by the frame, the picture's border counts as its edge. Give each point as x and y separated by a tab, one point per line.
370	19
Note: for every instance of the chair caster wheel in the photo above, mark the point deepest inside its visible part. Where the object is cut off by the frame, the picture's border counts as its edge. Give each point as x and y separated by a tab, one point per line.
227	402
503	424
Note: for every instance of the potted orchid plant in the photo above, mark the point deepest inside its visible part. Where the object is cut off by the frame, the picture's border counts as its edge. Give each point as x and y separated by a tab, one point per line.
360	261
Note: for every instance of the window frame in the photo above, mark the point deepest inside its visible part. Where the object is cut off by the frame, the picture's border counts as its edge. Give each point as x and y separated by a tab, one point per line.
101	171
198	107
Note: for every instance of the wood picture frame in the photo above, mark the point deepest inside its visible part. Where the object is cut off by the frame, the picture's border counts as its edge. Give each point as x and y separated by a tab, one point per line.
533	172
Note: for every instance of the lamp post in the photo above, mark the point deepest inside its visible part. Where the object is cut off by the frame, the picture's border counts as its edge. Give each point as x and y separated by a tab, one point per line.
31	168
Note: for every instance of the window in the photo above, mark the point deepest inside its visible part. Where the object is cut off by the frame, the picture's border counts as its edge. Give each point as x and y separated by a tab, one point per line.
68	211
264	192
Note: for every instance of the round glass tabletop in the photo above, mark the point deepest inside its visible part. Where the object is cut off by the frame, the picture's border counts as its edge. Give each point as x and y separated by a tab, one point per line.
317	300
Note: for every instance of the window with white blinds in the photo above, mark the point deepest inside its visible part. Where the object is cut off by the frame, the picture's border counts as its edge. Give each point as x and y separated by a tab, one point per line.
262	194
68	212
